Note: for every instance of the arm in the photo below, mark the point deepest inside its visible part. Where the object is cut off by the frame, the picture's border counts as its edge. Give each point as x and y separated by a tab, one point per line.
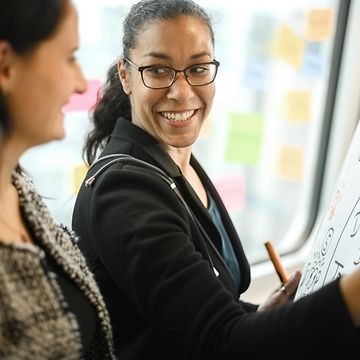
144	237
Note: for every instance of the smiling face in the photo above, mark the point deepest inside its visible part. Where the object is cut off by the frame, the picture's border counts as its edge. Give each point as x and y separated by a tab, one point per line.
40	83
174	115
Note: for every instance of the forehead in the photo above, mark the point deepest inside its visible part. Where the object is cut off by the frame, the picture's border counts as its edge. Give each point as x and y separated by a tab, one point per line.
67	30
184	33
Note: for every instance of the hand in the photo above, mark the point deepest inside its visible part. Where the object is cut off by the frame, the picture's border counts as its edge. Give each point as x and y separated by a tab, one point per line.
282	294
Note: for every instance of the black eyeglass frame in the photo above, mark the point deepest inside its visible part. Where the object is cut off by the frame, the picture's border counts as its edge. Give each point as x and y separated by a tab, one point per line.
176	71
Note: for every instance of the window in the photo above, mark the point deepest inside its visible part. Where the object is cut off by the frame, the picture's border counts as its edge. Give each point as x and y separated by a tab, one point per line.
265	140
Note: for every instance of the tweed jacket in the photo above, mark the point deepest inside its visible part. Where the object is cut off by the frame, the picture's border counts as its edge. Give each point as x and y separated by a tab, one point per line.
34	322
155	266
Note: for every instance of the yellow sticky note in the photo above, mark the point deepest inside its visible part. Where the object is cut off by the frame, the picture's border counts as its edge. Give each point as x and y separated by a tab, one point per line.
289	46
297	106
319	24
290	163
79	173
244	138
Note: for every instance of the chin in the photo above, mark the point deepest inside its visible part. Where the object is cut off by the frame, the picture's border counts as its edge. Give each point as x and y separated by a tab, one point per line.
48	140
59	130
60	136
182	143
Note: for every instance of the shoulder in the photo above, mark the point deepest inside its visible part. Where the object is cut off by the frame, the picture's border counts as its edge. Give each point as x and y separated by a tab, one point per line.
126	193
127	176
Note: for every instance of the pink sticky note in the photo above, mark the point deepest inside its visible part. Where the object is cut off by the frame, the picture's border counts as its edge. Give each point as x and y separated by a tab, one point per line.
231	188
85	101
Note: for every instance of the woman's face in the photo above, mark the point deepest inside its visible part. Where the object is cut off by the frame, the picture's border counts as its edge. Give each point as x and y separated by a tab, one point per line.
39	84
174	115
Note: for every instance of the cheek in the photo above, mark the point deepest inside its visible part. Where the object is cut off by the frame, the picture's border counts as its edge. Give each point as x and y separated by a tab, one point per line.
212	92
208	97
145	99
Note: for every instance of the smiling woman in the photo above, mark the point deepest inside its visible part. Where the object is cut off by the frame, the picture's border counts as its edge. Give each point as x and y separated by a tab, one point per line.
51	306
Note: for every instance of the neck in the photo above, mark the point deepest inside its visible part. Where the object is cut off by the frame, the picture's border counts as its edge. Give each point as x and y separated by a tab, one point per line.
181	157
9	158
12	227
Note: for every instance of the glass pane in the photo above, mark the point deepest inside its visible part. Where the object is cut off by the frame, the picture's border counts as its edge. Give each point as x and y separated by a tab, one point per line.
261	141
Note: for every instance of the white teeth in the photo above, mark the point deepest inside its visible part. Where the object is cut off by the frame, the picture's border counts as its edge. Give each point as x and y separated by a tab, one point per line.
178	116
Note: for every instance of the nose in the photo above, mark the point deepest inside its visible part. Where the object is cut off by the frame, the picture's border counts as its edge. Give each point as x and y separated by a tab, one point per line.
180	90
81	83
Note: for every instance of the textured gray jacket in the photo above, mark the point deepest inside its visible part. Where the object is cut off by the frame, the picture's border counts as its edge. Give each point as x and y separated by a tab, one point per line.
34	322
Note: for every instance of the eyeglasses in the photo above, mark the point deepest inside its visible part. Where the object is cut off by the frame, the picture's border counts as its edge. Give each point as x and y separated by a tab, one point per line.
162	77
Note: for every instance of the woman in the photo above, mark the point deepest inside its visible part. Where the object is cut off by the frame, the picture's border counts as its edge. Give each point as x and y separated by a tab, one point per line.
50	305
154	229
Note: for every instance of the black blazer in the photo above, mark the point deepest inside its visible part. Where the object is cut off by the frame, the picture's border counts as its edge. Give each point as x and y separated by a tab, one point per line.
153	265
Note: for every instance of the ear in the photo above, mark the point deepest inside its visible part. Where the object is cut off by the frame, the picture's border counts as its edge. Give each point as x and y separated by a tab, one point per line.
123	77
6	55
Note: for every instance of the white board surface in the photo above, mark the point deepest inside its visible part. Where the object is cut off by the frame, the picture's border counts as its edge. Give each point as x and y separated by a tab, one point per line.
336	248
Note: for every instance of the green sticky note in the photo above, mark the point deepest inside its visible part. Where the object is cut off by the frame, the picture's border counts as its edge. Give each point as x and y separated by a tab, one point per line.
244	138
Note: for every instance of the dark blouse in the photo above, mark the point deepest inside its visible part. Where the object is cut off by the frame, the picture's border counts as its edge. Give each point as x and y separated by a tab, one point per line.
75	301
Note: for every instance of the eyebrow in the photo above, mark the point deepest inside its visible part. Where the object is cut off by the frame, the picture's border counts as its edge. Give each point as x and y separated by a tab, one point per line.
166	57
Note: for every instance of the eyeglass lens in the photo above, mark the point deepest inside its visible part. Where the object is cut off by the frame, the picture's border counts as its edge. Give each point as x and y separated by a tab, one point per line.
196	75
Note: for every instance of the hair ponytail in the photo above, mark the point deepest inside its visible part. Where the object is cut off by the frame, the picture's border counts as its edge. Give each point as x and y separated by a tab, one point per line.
112	104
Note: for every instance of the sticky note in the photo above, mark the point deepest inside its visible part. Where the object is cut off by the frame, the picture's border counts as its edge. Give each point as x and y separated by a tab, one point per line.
231	188
85	101
319	24
297	106
79	173
289	46
244	138
290	163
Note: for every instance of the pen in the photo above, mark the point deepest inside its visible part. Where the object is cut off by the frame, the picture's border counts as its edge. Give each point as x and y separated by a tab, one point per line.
275	259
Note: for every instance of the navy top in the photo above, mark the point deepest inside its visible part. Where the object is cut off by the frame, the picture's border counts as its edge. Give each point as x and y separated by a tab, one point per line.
227	249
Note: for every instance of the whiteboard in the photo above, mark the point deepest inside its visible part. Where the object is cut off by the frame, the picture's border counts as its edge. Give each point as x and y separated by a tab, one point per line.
336	248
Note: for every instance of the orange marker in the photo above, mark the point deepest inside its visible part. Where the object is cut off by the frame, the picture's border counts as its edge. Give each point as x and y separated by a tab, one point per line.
275	259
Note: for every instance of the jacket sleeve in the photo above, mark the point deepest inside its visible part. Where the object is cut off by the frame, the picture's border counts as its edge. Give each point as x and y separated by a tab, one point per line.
142	235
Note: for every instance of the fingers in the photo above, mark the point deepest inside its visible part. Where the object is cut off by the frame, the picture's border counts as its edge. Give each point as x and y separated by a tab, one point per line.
282	294
290	287
283	290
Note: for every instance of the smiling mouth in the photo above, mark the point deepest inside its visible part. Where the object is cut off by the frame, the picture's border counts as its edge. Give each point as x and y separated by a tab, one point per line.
178	116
